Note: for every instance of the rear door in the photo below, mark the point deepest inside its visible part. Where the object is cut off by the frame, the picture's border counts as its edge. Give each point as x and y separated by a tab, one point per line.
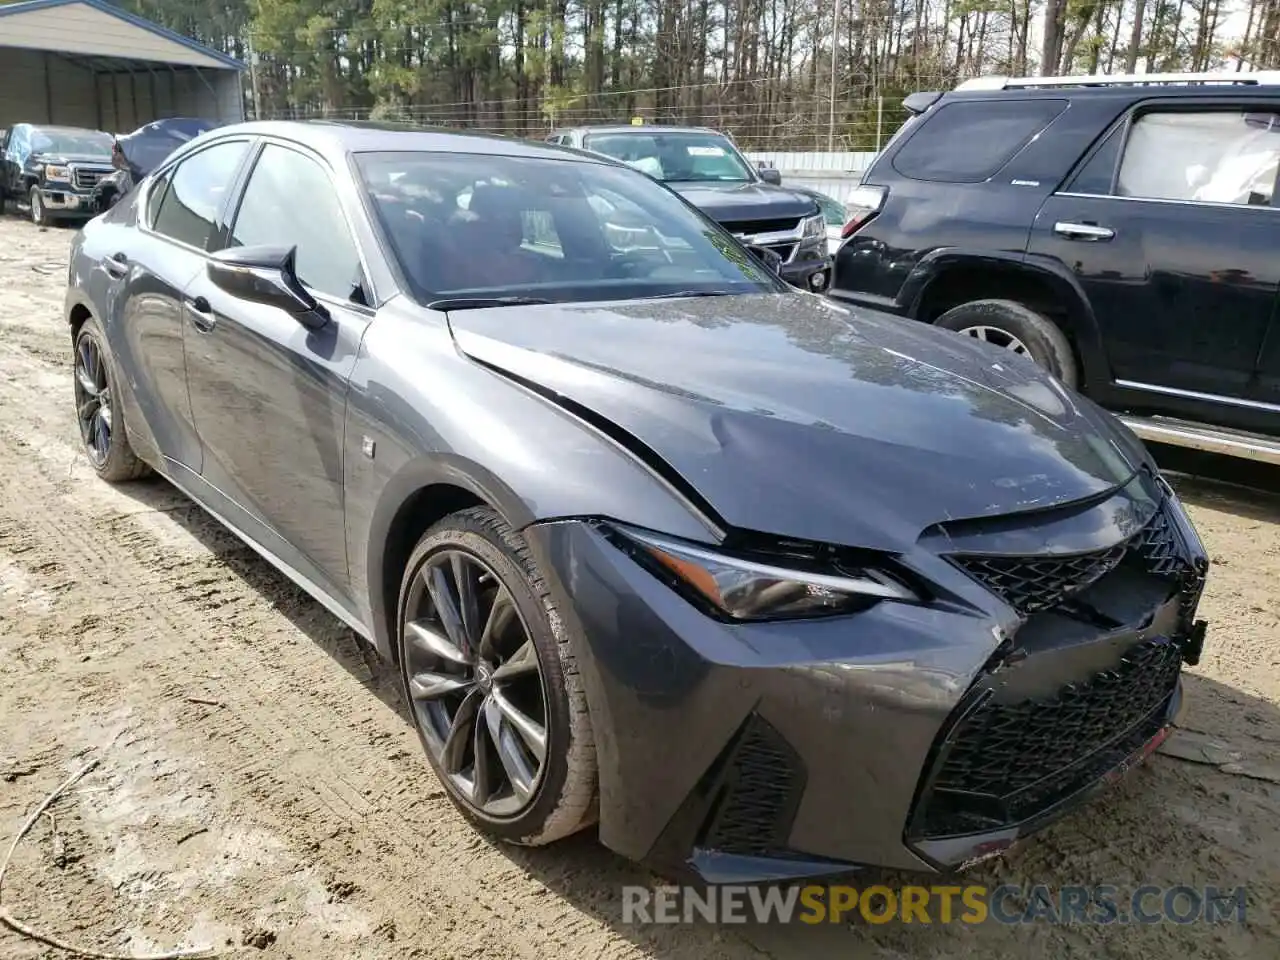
269	394
1266	392
1172	228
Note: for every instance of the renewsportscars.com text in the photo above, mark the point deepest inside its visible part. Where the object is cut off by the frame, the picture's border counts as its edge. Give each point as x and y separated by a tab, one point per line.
971	904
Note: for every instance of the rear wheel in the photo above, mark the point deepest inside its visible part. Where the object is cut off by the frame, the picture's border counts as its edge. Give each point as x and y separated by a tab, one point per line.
101	428
492	683
1018	329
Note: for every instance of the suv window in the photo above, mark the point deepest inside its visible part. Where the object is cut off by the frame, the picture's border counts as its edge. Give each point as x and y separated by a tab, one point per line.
969	141
1221	156
1098	172
195	193
290	201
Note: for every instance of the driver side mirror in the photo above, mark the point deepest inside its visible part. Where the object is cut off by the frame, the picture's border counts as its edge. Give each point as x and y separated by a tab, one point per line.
770	259
770	175
267	275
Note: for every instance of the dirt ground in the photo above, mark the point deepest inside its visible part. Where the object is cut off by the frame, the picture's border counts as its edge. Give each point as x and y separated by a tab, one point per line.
261	789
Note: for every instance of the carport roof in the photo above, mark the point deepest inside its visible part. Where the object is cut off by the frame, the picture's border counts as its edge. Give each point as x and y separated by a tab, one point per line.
103	37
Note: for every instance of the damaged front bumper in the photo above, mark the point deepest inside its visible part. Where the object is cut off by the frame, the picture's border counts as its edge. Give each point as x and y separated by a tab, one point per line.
905	736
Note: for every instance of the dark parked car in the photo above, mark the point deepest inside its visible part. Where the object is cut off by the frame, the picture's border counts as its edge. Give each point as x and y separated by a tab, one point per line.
136	154
50	172
1121	231
710	172
770	585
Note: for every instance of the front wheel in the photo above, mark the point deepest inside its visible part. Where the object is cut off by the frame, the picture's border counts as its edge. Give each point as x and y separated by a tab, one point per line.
38	215
492	683
1017	328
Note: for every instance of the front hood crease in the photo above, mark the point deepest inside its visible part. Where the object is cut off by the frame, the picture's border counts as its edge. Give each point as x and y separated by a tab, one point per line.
797	417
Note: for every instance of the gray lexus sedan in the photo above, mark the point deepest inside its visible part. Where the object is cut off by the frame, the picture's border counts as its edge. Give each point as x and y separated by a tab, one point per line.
760	585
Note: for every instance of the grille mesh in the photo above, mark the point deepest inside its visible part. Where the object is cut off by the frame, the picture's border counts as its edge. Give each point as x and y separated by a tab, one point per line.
84	179
762	226
1031	584
1157	547
1006	762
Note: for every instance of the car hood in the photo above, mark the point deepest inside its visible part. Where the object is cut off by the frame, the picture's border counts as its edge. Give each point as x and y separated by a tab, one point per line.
58	159
745	201
791	415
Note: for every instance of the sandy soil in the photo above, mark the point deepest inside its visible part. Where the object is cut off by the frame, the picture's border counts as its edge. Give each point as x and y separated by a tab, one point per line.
261	789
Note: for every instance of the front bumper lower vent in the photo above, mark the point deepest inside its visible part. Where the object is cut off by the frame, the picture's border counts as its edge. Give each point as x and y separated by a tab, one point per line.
761	787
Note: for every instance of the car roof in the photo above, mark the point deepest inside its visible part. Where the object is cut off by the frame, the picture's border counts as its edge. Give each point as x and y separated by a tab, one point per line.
1118	92
642	129
56	128
353	136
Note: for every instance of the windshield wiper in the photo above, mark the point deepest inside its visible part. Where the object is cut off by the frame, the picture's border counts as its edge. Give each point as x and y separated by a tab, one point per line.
479	303
692	293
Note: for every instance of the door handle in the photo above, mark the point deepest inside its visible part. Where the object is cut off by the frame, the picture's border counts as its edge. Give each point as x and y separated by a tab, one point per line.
117	265
1082	231
201	315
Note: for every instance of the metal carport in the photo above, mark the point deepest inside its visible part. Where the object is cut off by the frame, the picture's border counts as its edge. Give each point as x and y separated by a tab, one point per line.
86	63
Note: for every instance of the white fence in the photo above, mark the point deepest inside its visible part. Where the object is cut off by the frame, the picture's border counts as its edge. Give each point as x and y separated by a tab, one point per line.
835	174
816	164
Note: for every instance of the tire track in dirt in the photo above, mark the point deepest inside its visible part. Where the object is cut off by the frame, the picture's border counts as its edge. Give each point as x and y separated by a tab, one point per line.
313	773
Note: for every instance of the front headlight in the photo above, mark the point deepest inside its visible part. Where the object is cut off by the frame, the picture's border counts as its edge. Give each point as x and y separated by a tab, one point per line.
57	173
747	588
815	227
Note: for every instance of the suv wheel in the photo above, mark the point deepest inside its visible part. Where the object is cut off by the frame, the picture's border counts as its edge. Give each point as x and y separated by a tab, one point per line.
38	215
492	684
1004	323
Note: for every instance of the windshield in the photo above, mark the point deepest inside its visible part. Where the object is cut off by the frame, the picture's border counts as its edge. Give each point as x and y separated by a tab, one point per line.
478	226
833	211
88	143
679	157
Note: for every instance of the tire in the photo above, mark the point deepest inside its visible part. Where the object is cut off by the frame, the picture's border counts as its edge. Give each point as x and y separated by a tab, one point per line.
36	208
94	381
561	799
1043	341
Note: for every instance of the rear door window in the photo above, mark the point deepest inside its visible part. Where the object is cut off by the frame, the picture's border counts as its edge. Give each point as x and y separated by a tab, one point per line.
197	190
1096	175
1218	156
969	141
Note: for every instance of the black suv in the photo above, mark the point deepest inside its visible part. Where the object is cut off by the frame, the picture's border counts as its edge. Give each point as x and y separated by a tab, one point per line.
705	168
50	172
1124	232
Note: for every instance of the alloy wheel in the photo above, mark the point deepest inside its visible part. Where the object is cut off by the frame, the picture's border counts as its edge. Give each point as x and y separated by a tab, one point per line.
475	682
997	338
93	400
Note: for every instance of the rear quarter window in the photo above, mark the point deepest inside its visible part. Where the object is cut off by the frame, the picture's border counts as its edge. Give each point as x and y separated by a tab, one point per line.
969	141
